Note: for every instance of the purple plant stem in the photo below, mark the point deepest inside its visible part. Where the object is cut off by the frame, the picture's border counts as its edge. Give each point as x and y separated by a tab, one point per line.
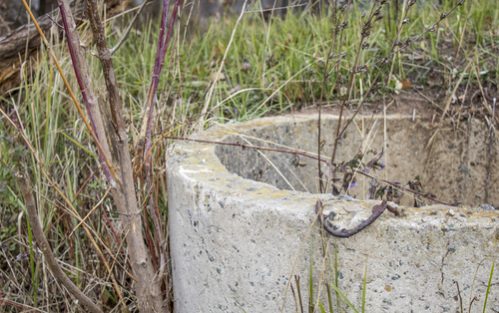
83	87
163	43
158	66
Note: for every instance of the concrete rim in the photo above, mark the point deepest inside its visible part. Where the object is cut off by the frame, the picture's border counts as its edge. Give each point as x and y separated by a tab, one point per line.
203	165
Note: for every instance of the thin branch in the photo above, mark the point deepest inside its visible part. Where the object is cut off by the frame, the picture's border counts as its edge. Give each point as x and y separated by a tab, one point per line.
148	288
129	28
359	106
107	163
296	152
209	95
83	78
34	220
165	36
354	70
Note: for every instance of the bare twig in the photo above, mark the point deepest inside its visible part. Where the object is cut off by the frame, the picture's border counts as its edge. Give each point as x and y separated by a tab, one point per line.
336	41
359	107
129	28
217	75
43	244
166	32
105	162
297	152
406	5
443	16
459	297
148	288
319	148
165	35
325	78
83	78
366	29
398	187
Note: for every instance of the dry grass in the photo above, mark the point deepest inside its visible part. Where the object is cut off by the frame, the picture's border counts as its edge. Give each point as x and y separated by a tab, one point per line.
301	61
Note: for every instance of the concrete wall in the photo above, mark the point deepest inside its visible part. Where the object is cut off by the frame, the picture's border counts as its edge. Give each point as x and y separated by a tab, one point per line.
237	243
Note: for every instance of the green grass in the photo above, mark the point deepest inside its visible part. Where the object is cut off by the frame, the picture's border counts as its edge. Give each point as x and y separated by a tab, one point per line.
277	66
270	68
489	285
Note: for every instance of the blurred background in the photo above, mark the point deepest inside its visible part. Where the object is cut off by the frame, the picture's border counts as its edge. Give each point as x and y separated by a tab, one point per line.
12	14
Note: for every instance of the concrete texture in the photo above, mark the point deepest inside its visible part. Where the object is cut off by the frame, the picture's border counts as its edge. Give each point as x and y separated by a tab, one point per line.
240	234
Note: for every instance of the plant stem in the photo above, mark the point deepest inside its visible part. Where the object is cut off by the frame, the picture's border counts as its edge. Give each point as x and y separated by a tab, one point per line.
148	288
43	244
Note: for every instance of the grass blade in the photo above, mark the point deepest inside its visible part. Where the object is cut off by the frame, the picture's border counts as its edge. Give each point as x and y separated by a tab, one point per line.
364	290
311	288
488	287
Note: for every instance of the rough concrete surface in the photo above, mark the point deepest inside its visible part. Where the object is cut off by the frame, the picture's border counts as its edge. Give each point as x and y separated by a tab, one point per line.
241	236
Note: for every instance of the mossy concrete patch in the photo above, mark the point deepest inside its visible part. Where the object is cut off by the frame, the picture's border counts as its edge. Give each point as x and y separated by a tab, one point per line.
243	222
